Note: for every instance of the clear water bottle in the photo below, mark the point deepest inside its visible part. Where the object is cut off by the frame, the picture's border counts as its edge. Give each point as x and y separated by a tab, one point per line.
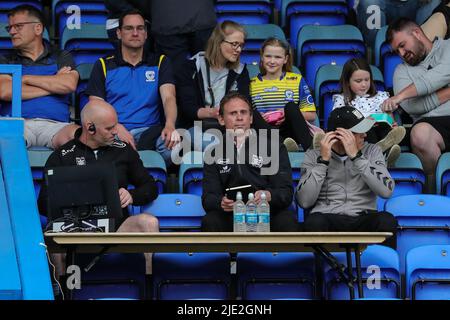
239	210
252	216
263	211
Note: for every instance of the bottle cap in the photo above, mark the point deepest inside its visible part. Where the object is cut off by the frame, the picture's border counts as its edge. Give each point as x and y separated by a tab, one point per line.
238	195
263	196
251	196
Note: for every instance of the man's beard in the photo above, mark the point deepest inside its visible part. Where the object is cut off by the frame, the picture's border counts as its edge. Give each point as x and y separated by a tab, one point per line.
419	54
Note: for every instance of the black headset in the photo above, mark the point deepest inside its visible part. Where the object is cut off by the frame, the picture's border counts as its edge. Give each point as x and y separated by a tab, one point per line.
92	128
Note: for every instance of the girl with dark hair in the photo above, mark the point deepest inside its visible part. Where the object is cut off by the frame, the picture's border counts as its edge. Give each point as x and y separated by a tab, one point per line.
359	91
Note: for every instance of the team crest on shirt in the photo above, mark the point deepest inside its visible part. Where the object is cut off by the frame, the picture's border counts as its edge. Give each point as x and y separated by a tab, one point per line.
149	76
225	163
289	95
257	161
80	161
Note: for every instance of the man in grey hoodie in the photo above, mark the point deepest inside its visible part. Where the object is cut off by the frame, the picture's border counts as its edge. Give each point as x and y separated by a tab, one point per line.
421	87
341	181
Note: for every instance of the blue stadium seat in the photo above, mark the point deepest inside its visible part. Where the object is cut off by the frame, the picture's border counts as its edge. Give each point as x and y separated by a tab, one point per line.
81	98
386	259
443	175
177	211
244	11
327	84
191	173
428	273
296	160
91	12
297	13
86	44
180	276
423	219
156	166
256	35
285	275
115	275
408	175
321	45
7	5
385	58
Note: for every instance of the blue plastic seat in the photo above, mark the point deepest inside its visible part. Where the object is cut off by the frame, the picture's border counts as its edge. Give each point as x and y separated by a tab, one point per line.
408	175
297	13
265	275
115	275
156	166
428	273
177	211
91	12
244	11
443	175
180	276
322	45
87	44
296	160
377	263
327	84
191	173
423	219
385	58
81	98
256	35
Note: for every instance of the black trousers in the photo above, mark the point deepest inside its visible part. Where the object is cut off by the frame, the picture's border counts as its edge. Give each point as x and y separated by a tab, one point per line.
365	222
294	125
221	221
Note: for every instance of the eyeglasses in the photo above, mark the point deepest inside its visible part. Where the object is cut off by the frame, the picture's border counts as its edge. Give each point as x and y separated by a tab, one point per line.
140	28
18	26
235	44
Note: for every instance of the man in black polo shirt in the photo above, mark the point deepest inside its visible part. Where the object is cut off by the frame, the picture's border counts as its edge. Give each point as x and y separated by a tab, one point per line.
49	77
141	88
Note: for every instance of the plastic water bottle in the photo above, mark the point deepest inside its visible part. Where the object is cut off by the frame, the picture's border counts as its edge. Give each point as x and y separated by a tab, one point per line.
252	216
263	211
239	210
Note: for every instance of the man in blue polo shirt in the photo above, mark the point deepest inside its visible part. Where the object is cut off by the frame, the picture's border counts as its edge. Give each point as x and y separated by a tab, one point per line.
49	77
139	85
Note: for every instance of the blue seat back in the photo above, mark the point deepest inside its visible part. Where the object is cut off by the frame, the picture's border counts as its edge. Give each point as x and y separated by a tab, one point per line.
179	276
115	275
244	11
156	166
443	174
285	275
86	44
428	273
296	160
37	159
91	12
408	175
177	211
318	12
385	58
377	263
423	219
81	98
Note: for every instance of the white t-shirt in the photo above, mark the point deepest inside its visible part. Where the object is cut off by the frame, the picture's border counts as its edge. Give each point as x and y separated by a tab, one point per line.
367	105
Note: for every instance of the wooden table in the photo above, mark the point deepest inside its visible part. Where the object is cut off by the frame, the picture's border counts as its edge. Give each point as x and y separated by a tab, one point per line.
321	243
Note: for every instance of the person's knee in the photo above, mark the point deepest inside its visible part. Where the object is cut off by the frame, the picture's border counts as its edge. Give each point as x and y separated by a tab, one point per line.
147	223
387	222
315	222
420	137
64	135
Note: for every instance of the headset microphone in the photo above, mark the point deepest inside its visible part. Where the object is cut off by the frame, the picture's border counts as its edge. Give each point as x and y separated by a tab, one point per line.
92	128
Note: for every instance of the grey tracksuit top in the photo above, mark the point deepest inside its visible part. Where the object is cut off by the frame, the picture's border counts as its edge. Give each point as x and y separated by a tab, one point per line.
344	187
432	74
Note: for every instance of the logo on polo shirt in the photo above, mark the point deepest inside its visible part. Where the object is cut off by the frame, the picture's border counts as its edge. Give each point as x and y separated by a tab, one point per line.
149	76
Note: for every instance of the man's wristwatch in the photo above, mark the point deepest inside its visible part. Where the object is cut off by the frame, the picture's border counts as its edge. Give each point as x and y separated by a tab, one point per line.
358	155
320	160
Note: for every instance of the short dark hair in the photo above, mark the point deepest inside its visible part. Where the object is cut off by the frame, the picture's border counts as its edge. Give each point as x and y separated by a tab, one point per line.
30	10
231	96
398	25
130	13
